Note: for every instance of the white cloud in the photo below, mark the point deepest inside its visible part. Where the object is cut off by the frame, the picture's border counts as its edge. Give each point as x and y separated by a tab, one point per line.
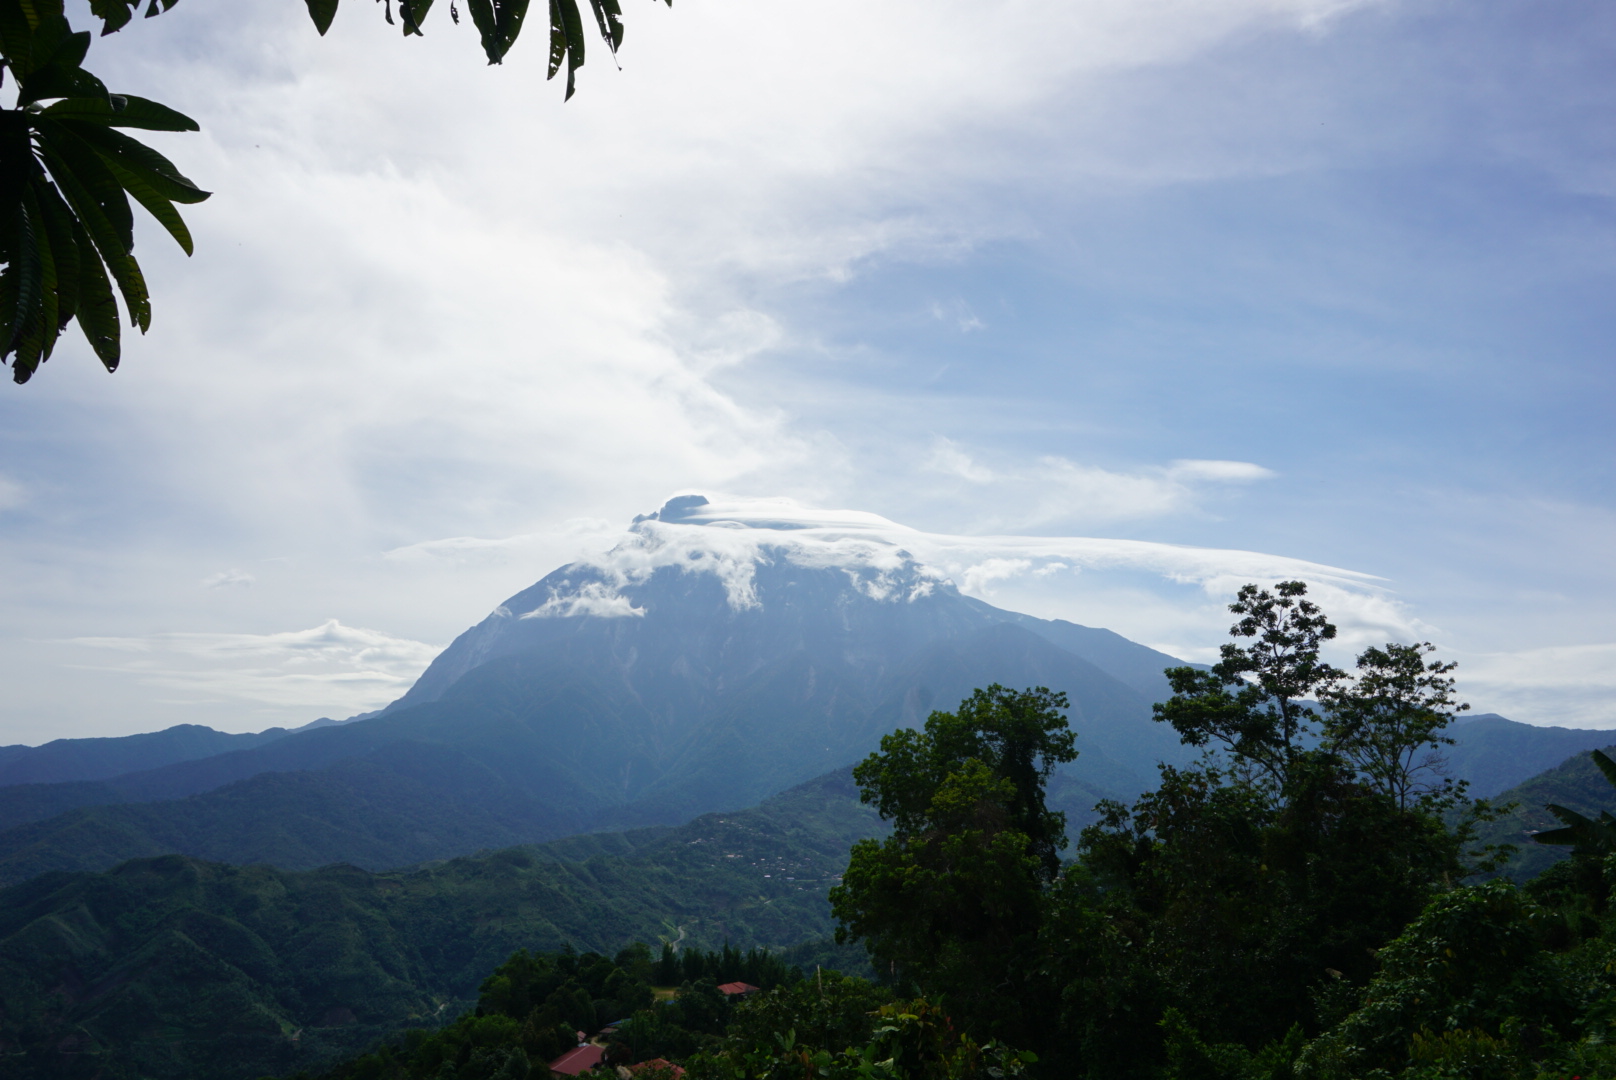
1055	489
1565	686
331	668
1226	472
228	579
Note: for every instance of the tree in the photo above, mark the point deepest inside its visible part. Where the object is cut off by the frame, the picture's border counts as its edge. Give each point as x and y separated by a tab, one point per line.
67	173
1252	700
1267	875
952	899
1389	721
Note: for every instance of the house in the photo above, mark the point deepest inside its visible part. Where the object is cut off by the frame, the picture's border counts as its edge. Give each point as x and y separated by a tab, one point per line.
656	1069
579	1060
734	988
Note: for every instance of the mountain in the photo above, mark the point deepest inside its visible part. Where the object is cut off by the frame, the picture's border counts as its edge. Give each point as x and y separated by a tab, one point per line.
702	664
719	653
66	760
1575	783
174	967
1495	754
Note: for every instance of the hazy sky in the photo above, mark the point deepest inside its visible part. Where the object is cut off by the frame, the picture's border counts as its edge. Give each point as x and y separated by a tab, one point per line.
1312	280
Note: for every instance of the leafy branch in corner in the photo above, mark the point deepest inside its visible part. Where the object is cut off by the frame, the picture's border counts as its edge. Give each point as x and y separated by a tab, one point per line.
67	171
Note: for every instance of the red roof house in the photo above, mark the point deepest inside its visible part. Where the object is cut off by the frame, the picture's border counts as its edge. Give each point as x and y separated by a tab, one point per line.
579	1060
738	988
656	1069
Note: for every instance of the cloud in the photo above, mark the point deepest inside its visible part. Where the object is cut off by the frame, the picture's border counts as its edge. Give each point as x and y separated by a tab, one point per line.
728	536
228	579
330	668
1564	686
1054	489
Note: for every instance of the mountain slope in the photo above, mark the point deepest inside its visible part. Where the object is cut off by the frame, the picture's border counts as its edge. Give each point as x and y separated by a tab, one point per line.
68	760
187	968
1494	753
1575	784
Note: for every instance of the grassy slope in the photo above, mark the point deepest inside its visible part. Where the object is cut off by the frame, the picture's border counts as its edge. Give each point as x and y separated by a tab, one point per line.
173	967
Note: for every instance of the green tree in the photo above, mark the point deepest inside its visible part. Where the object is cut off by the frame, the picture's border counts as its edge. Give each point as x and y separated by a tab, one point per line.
67	172
952	899
1389	721
1249	886
1253	700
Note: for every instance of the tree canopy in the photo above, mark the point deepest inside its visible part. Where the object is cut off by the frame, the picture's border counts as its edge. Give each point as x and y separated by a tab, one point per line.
67	171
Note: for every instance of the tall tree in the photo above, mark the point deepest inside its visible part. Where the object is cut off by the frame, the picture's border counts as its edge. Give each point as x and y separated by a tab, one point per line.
1253	700
952	898
1390	720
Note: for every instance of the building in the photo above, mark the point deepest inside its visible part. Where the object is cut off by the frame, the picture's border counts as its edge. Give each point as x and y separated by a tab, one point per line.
578	1060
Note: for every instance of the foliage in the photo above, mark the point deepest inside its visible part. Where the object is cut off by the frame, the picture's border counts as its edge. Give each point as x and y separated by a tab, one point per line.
1587	836
1389	722
66	176
67	173
757	967
840	1028
229	963
1252	700
531	1010
952	899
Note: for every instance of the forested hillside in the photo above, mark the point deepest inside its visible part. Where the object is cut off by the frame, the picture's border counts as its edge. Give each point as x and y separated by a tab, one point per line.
174	967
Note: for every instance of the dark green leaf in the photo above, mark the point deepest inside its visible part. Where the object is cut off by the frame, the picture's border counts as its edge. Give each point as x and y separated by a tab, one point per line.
114	14
124	111
59	227
98	311
49	321
609	17
155	203
26	275
413	13
573	27
64	150
322	12
1606	766
105	234
140	159
499	22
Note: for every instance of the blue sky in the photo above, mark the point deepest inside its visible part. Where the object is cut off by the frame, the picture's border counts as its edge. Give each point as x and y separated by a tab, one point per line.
1320	279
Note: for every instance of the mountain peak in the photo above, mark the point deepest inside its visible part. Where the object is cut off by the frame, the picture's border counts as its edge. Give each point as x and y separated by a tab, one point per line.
729	540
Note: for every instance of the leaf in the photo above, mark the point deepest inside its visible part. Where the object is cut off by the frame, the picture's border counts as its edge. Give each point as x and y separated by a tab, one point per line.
499	22
413	13
1606	766
124	111
98	311
140	159
59	226
155	203
566	41
104	233
609	17
49	324
114	14
322	12
90	178
25	274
